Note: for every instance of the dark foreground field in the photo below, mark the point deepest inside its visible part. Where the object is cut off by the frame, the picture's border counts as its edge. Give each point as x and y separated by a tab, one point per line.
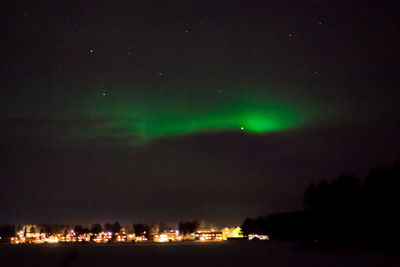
192	254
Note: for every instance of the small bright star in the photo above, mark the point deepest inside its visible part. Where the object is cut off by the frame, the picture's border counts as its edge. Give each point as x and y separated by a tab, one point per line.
242	128
160	74
91	50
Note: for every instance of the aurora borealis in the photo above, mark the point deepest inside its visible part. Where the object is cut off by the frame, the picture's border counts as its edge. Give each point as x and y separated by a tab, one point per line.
148	117
183	110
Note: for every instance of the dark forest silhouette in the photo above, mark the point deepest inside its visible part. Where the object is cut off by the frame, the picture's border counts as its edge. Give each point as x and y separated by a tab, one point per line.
345	211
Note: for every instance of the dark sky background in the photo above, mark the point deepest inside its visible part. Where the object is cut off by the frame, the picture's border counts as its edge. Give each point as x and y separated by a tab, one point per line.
97	98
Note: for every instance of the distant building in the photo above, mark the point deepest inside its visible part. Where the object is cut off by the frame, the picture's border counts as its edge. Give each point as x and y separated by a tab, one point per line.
168	237
232	233
208	236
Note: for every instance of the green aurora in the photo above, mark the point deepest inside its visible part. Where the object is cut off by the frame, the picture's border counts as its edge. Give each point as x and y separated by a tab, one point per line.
145	117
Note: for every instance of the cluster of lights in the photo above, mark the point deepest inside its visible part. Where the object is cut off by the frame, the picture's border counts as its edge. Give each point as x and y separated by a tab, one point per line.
69	237
259	237
168	237
122	236
208	236
140	238
41	238
102	237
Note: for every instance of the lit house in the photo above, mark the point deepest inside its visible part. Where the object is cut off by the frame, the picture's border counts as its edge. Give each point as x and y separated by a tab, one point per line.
208	236
168	237
103	237
232	233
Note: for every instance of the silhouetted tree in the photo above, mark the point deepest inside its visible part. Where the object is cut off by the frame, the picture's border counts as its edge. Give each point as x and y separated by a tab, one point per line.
254	226
162	227
344	211
48	228
7	231
78	229
381	194
141	230
96	228
194	226
116	227
317	197
188	227
108	227
54	228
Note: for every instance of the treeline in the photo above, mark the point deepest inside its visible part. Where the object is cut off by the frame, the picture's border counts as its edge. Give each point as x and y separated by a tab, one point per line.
345	211
139	229
7	231
97	228
142	229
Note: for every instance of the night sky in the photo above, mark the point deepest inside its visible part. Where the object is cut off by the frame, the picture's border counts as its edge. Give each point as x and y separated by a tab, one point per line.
174	110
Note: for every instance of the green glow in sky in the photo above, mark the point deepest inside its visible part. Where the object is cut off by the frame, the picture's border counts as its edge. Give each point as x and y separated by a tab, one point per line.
145	117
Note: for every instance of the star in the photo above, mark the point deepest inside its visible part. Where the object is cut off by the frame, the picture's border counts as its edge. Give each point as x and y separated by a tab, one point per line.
91	51
242	128
160	74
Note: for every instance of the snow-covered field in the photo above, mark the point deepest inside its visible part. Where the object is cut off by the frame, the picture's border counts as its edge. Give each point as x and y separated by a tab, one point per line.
230	253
